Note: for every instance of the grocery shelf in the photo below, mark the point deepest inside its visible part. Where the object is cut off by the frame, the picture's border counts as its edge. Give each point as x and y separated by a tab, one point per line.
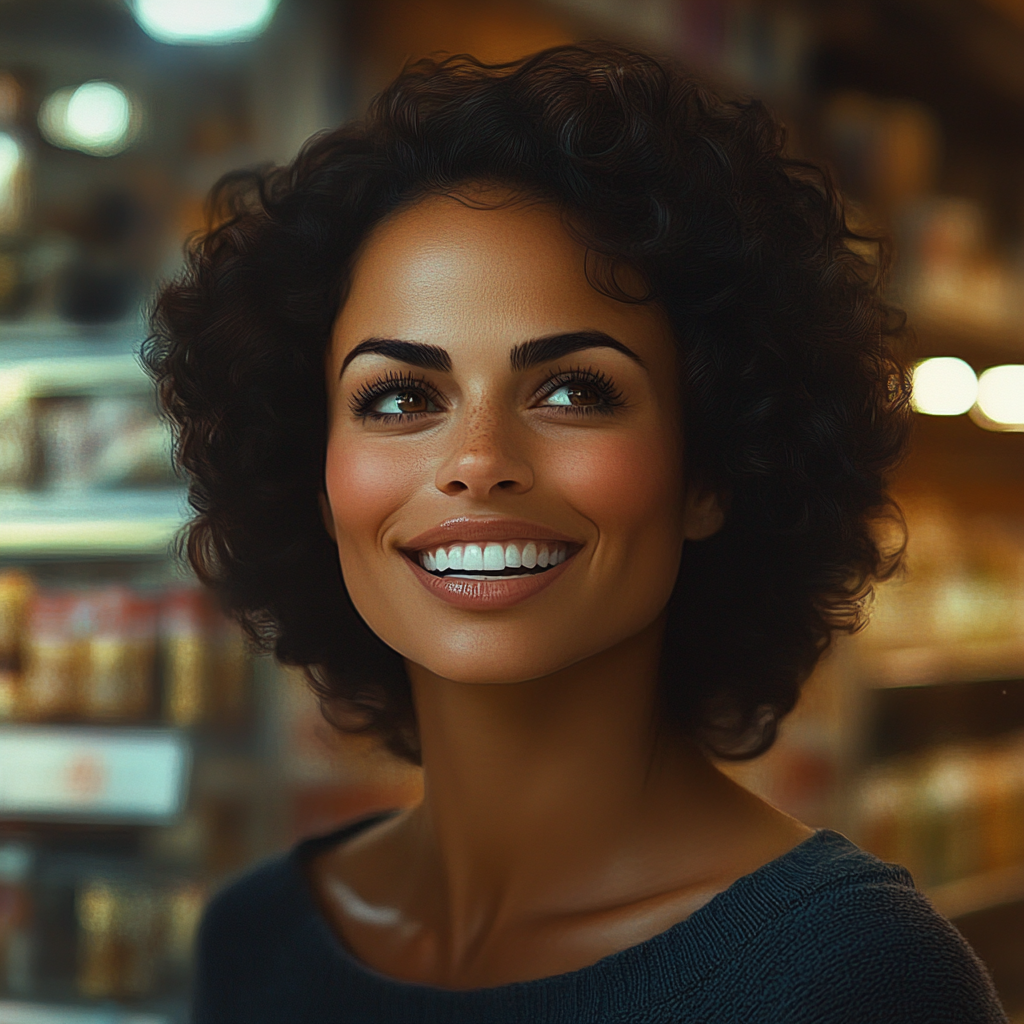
930	665
88	774
45	1013
90	523
979	892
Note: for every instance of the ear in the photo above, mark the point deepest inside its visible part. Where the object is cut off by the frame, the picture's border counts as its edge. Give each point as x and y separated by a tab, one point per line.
328	517
702	514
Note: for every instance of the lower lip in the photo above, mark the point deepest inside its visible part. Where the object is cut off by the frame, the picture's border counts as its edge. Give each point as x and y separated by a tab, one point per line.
486	595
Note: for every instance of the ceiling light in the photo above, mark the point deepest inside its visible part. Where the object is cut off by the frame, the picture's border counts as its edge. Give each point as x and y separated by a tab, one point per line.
203	21
95	118
944	386
1001	397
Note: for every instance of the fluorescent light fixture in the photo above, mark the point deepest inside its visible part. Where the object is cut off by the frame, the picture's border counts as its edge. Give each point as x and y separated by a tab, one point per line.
944	386
1001	397
203	21
96	118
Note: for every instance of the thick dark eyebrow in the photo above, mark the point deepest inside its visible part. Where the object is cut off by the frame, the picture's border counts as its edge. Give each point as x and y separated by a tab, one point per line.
546	350
429	357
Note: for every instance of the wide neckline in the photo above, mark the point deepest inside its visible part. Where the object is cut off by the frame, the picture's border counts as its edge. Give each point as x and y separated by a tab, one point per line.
676	957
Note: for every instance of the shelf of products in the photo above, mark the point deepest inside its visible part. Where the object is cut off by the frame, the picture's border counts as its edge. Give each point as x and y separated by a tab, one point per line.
132	776
34	1013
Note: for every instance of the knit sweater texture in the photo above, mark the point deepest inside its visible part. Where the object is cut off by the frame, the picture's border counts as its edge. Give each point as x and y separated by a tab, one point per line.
825	934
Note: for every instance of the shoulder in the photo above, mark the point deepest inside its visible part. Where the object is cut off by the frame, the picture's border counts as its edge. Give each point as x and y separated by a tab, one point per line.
856	941
250	938
264	952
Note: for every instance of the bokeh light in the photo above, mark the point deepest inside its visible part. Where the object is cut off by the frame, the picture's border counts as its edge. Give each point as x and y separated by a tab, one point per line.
944	386
203	21
1001	395
95	118
10	159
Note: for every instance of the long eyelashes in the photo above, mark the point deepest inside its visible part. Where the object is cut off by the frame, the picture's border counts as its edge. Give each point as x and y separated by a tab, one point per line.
371	392
605	396
595	394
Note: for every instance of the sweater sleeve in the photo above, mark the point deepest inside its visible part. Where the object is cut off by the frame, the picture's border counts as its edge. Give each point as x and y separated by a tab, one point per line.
875	954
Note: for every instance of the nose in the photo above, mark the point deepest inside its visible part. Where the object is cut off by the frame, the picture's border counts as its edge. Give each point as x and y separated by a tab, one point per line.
487	457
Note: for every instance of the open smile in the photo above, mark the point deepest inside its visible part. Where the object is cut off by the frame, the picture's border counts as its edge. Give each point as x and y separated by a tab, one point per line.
493	561
486	564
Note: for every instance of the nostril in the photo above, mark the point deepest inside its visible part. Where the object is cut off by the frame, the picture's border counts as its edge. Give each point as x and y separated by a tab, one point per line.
505	484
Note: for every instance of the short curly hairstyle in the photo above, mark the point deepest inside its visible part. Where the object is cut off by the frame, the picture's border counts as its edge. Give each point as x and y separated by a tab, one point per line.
794	392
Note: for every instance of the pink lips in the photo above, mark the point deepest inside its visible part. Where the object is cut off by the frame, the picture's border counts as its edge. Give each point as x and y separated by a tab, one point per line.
466	528
484	595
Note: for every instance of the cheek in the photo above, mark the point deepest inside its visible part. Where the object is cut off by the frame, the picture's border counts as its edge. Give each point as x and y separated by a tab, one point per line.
626	485
363	487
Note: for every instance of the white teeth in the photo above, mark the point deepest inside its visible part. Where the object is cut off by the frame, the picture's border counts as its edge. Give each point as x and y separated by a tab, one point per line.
494	557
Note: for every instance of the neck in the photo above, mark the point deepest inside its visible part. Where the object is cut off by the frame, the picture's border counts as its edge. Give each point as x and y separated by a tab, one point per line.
528	782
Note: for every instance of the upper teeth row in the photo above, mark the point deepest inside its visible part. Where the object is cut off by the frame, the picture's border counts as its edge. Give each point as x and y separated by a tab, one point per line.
492	557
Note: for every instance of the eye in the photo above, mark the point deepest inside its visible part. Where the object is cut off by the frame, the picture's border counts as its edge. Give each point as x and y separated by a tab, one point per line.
580	392
403	402
573	395
395	396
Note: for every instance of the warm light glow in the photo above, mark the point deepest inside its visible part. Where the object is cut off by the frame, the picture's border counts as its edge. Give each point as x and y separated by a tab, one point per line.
95	118
203	21
1001	395
944	386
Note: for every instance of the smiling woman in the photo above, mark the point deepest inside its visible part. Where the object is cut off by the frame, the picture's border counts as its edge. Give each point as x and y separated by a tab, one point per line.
544	418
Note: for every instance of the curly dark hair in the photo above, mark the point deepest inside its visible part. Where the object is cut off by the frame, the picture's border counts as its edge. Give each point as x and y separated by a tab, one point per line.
795	396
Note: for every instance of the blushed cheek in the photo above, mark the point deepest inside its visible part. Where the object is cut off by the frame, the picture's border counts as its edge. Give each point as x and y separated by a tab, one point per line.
363	488
629	487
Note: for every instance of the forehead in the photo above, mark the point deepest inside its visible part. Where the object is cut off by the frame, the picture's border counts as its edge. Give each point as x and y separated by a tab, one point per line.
447	272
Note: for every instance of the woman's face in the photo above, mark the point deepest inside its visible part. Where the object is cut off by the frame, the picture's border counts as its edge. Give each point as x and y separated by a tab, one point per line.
504	464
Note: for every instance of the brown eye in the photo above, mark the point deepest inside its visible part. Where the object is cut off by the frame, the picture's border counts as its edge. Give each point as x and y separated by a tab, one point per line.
573	395
404	402
410	401
583	396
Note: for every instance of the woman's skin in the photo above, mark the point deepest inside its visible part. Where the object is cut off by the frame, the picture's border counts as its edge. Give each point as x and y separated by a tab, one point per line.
559	823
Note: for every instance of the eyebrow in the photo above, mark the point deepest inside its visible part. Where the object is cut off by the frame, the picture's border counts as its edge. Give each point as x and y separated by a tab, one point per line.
522	357
428	357
545	350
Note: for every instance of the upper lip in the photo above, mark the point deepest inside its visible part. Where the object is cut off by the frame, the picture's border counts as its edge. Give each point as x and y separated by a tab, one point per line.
469	528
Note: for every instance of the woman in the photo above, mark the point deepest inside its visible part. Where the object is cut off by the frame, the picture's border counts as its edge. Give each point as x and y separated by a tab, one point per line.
544	417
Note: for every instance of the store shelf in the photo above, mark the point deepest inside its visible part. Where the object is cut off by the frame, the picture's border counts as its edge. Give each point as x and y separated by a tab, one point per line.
83	774
90	523
886	668
979	892
42	1013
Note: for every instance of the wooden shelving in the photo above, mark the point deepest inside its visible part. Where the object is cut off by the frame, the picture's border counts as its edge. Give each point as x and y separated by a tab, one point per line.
979	892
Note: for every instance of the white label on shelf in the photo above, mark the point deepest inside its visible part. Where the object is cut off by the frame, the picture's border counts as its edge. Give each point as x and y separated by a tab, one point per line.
88	774
40	1013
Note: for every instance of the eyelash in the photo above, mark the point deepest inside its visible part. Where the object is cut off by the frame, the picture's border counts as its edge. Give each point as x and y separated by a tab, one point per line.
363	400
610	398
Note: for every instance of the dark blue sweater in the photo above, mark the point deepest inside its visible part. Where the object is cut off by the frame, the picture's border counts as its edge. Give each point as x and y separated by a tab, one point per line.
822	935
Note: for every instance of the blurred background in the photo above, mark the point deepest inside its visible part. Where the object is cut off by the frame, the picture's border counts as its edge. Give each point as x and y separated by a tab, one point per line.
145	756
